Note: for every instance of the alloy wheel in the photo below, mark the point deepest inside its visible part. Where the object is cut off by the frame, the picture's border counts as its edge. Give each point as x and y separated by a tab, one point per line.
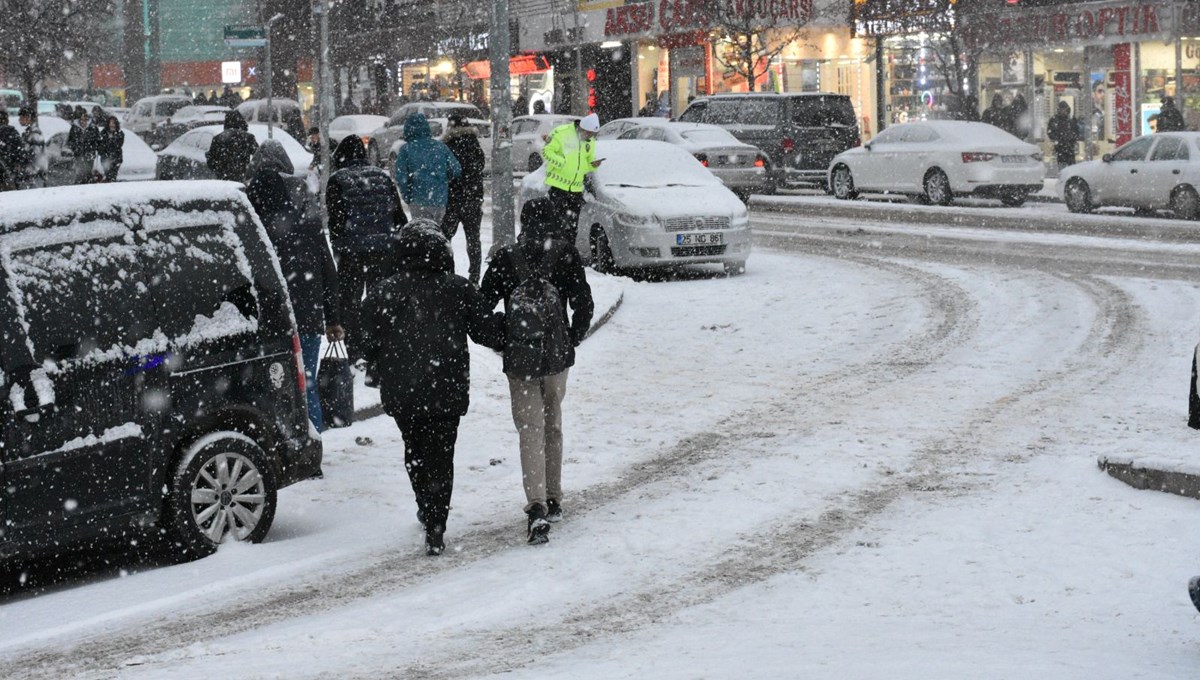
228	497
843	183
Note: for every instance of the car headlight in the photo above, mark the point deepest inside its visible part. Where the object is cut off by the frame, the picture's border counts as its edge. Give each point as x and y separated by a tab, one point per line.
635	220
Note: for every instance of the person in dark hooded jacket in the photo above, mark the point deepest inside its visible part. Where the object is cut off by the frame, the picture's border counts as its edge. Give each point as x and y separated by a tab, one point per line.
415	329
424	169
465	203
112	148
364	212
293	223
230	152
541	253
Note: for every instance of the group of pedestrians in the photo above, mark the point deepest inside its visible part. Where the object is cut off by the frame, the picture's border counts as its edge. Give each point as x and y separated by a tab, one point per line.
1013	116
96	149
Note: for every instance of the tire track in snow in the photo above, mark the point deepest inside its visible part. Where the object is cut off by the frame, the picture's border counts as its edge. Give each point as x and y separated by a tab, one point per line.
942	466
949	318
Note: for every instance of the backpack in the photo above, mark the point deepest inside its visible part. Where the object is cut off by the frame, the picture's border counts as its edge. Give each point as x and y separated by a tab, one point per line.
536	335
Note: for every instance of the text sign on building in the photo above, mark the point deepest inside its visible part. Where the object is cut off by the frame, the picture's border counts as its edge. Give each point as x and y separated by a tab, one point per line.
662	17
231	72
900	17
245	36
1089	23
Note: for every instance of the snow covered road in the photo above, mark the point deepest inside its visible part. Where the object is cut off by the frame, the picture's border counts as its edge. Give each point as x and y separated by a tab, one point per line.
872	455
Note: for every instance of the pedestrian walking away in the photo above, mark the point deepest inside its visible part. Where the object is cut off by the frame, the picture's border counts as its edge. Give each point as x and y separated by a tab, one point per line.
14	155
111	148
424	169
1170	118
34	173
364	212
997	114
570	155
538	278
229	153
84	142
465	203
292	219
416	324
1063	130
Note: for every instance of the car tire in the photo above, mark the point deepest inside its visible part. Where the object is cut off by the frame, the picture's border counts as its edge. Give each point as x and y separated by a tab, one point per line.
1078	196
1014	199
735	268
843	184
535	161
602	255
224	487
1185	203
937	188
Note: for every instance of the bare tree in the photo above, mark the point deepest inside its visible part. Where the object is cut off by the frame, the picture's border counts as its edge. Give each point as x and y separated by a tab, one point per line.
741	29
42	38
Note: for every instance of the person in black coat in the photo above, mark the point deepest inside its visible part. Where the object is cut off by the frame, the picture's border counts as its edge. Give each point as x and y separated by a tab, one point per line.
415	329
997	114
14	155
365	211
465	204
111	148
1170	118
1063	130
537	399
293	222
230	152
84	142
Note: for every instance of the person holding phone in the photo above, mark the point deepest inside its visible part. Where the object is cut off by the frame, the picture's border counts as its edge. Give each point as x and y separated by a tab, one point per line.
570	154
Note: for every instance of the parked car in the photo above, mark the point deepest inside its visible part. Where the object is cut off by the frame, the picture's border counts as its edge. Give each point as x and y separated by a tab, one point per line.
653	204
529	134
189	118
359	125
186	157
739	166
384	138
799	133
937	160
150	112
1151	173
138	160
288	114
152	371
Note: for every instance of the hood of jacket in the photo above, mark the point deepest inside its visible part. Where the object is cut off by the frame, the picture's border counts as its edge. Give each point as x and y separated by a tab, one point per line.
416	127
349	151
457	132
268	193
421	246
540	222
272	156
234	121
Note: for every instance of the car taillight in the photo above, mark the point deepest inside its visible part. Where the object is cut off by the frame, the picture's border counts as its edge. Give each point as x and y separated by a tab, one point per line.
703	158
760	162
299	362
789	145
977	157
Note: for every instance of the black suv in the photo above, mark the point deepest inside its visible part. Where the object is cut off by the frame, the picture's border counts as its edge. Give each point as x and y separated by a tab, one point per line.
150	371
799	133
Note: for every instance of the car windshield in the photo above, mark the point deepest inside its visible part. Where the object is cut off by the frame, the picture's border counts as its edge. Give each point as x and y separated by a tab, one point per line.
709	137
649	165
823	112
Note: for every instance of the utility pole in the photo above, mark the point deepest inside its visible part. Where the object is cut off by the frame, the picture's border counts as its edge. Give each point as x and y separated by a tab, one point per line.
504	228
324	100
270	106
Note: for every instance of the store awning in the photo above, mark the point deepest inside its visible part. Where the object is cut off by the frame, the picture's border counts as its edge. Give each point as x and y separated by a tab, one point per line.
520	65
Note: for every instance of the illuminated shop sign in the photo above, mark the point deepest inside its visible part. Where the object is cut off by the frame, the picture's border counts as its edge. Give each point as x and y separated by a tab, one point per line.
671	16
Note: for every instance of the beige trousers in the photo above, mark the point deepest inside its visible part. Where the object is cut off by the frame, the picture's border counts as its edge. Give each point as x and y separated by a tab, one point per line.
537	413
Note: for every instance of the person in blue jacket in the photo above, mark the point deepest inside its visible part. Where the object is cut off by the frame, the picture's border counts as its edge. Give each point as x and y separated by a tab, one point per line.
424	169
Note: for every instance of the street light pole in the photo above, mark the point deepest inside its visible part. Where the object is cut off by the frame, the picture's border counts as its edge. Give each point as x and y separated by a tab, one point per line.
504	228
270	106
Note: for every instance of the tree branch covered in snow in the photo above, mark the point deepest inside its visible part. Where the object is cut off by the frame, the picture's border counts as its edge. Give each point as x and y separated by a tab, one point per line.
751	33
40	39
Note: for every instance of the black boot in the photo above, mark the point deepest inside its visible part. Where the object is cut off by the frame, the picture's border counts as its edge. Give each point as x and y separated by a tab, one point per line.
539	528
434	545
553	511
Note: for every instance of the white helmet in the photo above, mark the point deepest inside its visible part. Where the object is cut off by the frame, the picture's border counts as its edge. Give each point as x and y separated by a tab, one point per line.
590	123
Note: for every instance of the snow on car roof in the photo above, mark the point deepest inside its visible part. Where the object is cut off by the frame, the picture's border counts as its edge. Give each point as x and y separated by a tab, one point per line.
45	205
301	157
647	163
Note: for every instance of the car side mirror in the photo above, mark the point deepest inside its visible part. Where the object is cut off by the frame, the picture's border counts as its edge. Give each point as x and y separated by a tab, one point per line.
867	146
1106	158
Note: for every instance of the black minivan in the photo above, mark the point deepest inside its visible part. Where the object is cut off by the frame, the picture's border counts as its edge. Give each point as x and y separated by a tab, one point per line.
800	133
150	370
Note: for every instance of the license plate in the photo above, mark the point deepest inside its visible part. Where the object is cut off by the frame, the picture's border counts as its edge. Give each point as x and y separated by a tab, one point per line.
1014	159
699	239
733	160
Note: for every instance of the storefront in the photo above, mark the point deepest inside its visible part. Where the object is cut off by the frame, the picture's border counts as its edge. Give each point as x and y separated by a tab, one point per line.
1111	61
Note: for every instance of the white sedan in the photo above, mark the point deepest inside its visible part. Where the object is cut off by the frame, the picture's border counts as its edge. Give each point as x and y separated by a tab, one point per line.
359	125
653	204
1151	173
935	161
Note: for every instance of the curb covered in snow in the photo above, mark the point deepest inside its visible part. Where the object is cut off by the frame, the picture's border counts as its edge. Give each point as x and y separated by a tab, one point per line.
1138	476
377	410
